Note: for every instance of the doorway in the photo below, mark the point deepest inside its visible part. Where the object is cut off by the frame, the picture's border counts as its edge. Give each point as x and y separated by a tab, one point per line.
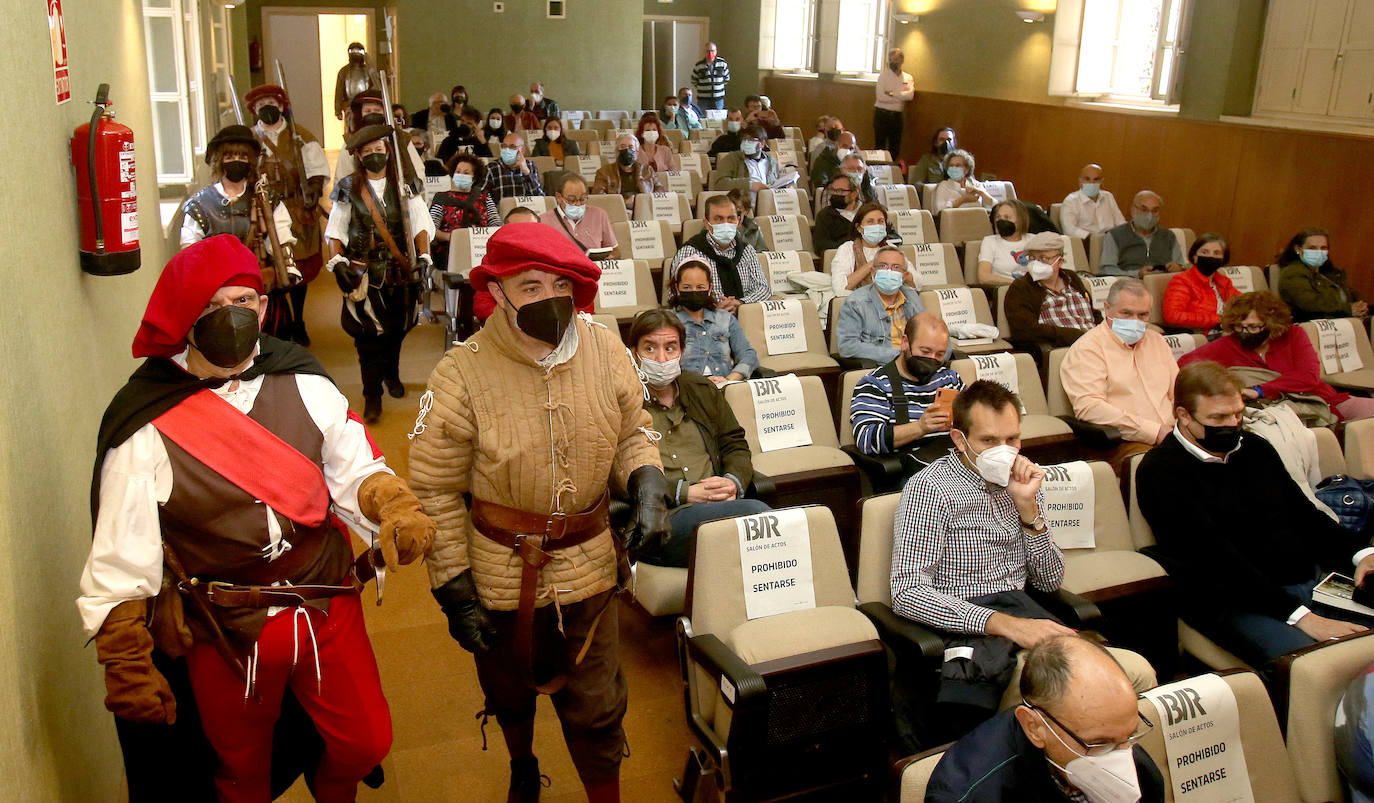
672	47
312	44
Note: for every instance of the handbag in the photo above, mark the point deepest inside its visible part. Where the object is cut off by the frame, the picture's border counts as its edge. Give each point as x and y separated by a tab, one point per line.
1349	498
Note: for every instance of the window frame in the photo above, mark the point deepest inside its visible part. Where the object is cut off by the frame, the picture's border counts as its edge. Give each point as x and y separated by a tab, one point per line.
180	96
1067	57
768	38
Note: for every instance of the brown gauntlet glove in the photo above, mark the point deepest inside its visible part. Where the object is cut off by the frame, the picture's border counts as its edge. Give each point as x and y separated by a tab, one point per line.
135	690
404	532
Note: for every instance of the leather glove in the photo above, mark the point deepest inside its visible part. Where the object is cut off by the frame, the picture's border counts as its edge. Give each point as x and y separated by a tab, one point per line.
314	188
135	690
649	494
404	531
468	622
344	275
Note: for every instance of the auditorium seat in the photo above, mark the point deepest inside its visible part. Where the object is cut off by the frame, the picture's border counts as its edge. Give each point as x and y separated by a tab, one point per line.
815	361
645	292
1056	216
881	473
684	182
915	226
896	196
585	166
932	301
600	125
1246	278
1310	683
1359	449
704	196
958	226
1359	379
613	205
669	207
786	233
937	266
1041	432
777	264
539	204
914	773
650	240
793	198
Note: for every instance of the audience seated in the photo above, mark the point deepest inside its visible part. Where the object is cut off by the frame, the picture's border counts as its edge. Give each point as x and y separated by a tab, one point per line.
854	166
969	534
749	231
589	227
1245	568
496	130
459	96
737	276
756	112
419	141
907	425
748	169
512	174
684	99
520	118
852	265
675	115
930	168
728	142
1311	283
553	144
1259	334
872	320
1139	246
467	138
626	176
1089	209
1196	296
835	222
1121	374
1072	738
653	150
1002	256
959	188
1048	304
437	120
822	131
714	345
705	454
826	163
544	107
461	207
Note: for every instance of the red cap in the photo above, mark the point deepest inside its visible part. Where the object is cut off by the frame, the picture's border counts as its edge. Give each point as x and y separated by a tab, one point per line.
186	285
261	91
518	247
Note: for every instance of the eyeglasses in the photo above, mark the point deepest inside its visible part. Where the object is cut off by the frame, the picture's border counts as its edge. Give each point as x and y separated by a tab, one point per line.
1252	328
1100	748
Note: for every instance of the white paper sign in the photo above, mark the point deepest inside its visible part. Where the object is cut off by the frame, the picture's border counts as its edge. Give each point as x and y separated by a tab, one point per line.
775	561
694	164
910	225
1241	277
786	233
1070	495
645	240
1098	288
1202	740
884	175
587	167
664	206
780	412
930	265
537	203
895	199
701	146
997	189
956	306
784	329
786	202
1336	345
435	185
1180	345
477	241
679	181
617	287
779	264
999	368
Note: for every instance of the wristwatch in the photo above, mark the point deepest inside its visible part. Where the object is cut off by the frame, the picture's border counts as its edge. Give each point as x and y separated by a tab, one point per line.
1037	525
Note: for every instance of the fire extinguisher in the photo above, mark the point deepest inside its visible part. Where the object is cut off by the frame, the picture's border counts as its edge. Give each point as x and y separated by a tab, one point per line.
106	193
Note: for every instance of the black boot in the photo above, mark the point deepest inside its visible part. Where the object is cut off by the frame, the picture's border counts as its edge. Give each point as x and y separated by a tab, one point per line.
396	388
372	409
524	780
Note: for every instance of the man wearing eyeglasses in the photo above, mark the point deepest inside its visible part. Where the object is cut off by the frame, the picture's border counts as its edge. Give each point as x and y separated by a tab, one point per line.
1073	737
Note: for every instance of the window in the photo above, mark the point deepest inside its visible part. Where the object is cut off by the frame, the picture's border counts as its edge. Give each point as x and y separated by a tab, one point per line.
852	39
859	37
787	33
1125	50
171	32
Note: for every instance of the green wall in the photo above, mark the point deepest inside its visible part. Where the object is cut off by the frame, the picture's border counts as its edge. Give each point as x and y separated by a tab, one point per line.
735	29
1222	59
66	339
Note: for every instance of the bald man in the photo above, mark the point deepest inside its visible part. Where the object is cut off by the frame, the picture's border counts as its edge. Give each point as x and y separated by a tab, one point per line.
1072	737
1089	209
1139	246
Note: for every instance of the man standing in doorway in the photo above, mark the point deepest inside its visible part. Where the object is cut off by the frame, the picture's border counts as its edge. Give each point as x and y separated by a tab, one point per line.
709	76
354	77
894	90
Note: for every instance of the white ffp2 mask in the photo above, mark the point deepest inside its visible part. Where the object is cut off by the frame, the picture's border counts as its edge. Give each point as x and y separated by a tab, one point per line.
993	463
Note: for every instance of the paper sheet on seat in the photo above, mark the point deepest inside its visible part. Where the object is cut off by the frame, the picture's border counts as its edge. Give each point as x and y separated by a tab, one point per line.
780	412
617	287
1201	726
784	327
1070	497
775	562
645	242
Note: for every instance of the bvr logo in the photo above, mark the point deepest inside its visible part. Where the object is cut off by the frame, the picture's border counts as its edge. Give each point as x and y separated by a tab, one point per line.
924	248
1182	704
1056	474
776	255
985	362
774	306
949	295
761	527
1326	324
766	387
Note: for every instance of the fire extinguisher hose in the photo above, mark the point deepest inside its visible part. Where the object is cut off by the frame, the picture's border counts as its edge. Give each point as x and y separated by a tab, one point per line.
102	99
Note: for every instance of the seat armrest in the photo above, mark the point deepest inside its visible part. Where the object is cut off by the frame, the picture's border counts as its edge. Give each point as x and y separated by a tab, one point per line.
761	486
1094	436
721	662
902	634
1069	607
887	467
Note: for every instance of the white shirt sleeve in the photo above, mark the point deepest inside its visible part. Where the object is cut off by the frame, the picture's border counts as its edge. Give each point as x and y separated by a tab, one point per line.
946	193
840	268
191	232
340	215
419	216
281	219
348	453
1071	216
315	162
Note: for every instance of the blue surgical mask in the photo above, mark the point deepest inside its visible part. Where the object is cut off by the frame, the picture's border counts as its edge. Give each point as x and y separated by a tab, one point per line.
1313	257
887	281
874	233
749	146
724	233
1090	190
575	211
1130	330
732	126
956	173
462	182
508	156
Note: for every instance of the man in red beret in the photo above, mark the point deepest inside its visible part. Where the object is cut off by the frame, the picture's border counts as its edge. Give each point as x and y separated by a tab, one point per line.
218	466
532	416
296	169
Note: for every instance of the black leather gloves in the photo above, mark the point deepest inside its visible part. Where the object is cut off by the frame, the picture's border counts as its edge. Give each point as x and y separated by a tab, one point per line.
468	622
649	494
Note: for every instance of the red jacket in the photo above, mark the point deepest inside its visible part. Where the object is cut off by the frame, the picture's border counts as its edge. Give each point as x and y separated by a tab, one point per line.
1291	355
1190	300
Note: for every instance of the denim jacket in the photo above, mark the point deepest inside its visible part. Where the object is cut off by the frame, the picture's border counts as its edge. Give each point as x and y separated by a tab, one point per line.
865	329
716	346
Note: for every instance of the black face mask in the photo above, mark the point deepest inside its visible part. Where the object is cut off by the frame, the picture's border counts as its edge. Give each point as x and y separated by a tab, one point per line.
375	162
944	148
834	134
1208	265
236	171
444	108
464	131
374	119
626	158
459	100
922	368
1005	228
838	200
516	109
1252	340
269	115
546	320
694	300
226	337
1220	440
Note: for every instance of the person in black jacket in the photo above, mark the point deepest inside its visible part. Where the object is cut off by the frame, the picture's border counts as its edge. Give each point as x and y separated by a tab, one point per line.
1244	544
1072	738
835	223
705	454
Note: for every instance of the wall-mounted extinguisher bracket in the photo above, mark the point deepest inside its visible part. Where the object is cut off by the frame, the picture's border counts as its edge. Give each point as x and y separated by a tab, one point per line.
106	191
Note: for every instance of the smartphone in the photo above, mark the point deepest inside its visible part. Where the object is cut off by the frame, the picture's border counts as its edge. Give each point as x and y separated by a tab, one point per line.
944	400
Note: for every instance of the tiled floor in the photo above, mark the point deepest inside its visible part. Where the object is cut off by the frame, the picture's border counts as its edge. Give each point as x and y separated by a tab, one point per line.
430	681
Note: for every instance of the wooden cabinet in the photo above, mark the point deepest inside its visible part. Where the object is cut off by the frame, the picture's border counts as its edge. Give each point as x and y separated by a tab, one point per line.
1318	59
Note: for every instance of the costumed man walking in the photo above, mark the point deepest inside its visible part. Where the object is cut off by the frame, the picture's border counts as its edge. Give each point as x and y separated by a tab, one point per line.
369	256
233	203
533	416
296	169
216	470
354	77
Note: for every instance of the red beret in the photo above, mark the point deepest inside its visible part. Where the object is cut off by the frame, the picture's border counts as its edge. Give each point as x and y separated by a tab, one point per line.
518	247
261	91
186	285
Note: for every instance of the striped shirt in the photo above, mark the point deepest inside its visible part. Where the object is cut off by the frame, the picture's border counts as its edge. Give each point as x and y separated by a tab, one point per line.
955	537
873	417
710	78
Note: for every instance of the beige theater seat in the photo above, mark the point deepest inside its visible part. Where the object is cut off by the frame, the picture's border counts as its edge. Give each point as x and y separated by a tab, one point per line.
816	360
914	226
650	207
1313	680
658	249
783	232
914	774
1361	379
644	294
930	299
613	205
682	181
539	204
1039	429
958	226
896	197
768	203
660	590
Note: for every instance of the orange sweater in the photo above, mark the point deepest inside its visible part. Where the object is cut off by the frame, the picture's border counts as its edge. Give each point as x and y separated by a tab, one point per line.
1191	301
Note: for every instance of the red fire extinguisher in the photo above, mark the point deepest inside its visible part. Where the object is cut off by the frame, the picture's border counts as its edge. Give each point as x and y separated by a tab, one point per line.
106	193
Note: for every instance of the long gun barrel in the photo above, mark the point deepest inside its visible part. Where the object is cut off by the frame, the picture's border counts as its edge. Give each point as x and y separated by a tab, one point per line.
291	129
403	171
234	98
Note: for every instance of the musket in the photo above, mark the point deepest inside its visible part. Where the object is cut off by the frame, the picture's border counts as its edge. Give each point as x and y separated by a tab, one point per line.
234	96
280	257
404	171
296	141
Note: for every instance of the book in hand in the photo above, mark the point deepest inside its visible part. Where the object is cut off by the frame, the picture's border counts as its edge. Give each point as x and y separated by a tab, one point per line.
1340	591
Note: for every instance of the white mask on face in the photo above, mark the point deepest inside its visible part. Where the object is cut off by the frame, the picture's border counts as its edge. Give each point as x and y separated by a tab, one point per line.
1104	779
994	463
660	374
1040	271
650	136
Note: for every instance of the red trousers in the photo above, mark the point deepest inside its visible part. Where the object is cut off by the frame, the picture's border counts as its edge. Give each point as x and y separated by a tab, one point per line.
346	705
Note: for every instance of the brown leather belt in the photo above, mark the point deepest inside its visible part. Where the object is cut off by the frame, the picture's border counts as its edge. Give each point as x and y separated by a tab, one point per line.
228	595
533	536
